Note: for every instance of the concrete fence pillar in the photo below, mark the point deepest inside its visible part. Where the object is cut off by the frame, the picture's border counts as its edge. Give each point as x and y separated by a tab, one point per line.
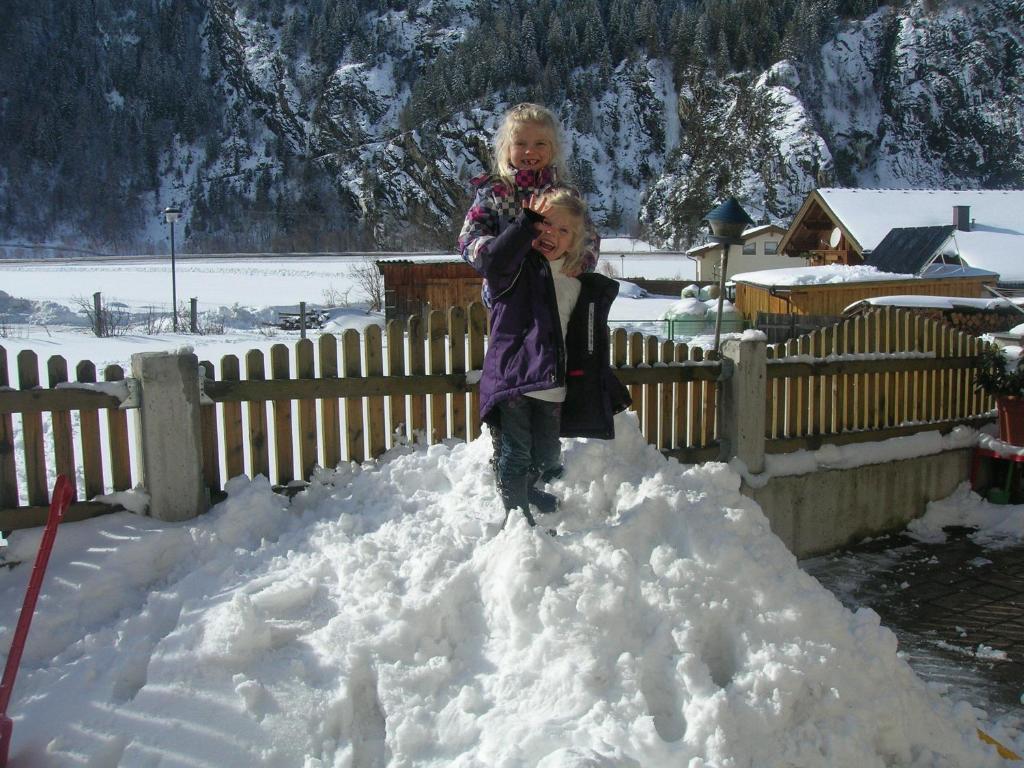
743	402
169	437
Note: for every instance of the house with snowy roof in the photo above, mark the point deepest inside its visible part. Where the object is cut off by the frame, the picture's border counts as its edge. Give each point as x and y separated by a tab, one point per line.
980	229
760	251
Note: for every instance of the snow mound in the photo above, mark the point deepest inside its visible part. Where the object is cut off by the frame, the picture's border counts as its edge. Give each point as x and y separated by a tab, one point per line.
380	617
996	525
630	290
688	307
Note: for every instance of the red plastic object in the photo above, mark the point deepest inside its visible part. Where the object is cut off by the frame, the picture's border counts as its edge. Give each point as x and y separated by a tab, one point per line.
1010	411
63	492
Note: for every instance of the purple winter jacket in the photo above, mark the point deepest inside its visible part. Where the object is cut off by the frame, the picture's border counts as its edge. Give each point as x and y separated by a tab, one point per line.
525	351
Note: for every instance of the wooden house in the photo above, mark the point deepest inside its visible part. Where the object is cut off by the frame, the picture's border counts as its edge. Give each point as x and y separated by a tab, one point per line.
630	257
417	284
845	226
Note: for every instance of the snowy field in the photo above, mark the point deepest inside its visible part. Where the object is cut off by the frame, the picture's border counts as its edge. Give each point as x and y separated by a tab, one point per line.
237	300
382	618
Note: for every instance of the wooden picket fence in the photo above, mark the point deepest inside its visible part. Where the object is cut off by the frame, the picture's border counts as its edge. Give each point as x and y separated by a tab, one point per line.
58	402
356	396
353	397
885	374
346	398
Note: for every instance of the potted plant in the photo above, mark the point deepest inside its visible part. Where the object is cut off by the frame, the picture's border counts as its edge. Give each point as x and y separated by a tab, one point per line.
1002	377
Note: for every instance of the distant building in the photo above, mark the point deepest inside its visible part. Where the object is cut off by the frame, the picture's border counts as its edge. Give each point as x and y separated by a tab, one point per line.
775	297
981	229
415	285
760	251
630	256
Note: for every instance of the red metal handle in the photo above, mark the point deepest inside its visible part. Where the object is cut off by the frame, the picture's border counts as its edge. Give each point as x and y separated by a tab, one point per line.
63	492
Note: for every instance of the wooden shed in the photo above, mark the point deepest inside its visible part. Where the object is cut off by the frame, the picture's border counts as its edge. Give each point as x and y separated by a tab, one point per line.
830	299
417	285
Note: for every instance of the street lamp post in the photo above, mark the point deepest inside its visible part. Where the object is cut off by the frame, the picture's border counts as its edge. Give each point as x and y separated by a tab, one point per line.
171	215
727	222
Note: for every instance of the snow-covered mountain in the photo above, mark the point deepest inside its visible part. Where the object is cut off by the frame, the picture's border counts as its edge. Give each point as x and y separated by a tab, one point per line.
347	123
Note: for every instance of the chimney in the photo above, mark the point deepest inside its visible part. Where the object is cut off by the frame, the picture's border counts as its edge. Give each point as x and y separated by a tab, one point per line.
962	217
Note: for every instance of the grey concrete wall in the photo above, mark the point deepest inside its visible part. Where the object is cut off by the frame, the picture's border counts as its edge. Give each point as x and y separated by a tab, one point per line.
742	411
169	437
822	511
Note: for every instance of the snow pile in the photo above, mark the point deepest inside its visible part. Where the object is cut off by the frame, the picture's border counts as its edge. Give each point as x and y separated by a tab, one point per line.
628	290
728	308
824	275
17	310
688	307
380	617
341	319
996	524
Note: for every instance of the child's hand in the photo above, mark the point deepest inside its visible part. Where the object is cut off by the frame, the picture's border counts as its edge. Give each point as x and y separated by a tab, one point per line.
540	205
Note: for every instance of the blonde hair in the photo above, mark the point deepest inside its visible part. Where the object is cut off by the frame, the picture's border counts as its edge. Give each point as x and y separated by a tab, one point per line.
522	114
572	204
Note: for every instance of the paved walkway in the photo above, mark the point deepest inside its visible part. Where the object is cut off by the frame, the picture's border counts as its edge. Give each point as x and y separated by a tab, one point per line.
957	609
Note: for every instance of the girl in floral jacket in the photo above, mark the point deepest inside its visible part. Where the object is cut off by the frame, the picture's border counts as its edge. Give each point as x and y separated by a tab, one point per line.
528	161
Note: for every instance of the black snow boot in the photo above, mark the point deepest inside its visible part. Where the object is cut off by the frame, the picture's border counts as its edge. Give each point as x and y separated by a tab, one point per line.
546	503
514	495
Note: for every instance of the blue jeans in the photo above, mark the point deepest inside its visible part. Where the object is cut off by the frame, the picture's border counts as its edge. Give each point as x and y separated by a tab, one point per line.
528	447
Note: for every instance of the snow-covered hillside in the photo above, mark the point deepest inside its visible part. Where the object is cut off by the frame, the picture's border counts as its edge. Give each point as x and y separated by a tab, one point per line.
350	124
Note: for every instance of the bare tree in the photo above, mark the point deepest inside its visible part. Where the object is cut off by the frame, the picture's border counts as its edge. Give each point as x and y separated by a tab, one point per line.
112	320
335	297
369	281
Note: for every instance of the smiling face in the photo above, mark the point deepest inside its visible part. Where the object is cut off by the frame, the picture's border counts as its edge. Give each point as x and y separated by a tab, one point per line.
558	233
532	147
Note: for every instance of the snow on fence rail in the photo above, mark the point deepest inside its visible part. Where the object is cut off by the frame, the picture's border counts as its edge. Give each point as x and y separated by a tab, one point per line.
344	398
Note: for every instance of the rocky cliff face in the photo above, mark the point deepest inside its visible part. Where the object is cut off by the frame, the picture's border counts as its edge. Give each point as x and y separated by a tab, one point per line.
280	152
908	98
921	99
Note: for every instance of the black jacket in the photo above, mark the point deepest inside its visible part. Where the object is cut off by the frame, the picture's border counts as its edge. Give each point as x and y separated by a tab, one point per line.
593	393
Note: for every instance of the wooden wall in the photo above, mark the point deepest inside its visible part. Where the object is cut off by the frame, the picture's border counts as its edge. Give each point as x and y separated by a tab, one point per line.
832	299
413	288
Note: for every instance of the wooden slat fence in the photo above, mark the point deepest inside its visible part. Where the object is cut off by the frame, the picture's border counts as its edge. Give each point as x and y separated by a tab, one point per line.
49	420
410	384
342	398
353	397
884	374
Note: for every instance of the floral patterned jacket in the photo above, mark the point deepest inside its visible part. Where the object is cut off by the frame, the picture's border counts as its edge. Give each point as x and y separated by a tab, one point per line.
495	206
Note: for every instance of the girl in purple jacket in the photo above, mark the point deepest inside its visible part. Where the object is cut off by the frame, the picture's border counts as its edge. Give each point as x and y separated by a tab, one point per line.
531	270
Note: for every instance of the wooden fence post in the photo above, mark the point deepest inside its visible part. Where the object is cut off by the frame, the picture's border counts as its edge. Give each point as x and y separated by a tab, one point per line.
170	437
97	310
193	315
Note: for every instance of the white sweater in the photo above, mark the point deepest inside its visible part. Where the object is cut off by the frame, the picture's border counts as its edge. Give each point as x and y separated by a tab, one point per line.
567	292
